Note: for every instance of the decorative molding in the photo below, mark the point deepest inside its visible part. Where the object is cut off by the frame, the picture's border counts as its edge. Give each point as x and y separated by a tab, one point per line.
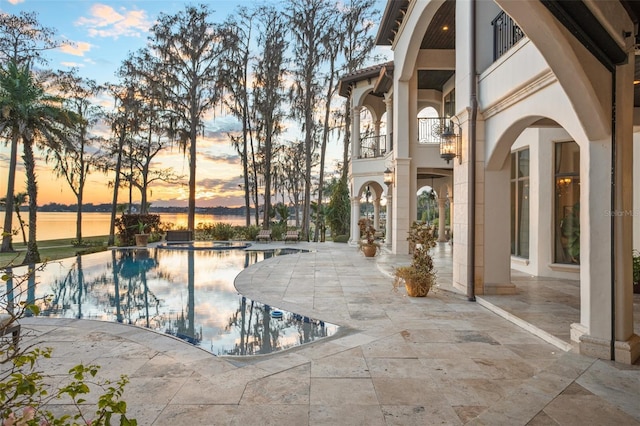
520	93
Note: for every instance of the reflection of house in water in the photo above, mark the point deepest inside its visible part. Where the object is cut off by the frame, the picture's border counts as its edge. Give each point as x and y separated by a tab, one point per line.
263	330
181	329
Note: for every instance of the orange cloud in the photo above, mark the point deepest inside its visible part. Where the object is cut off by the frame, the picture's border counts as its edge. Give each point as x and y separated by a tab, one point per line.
75	49
105	21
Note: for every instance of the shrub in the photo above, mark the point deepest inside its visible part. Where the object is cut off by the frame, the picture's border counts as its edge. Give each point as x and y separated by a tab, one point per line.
278	230
128	225
248	233
218	231
341	239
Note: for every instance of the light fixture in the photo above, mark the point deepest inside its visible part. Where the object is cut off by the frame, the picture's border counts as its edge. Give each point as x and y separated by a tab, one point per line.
450	142
388	177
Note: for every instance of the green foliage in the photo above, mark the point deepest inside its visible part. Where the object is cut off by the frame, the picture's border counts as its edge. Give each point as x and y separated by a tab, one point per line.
218	231
341	239
278	230
636	266
420	274
128	225
248	233
283	212
338	213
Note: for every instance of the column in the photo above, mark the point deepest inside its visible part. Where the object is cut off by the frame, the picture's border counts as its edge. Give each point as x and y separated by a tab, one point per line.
442	208
388	102
355	131
387	234
355	215
376	130
450	215
376	211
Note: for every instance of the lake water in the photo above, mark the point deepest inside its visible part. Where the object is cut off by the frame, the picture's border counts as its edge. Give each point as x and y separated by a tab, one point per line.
55	225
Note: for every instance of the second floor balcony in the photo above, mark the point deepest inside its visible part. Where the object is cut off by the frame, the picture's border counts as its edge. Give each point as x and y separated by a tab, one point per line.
373	146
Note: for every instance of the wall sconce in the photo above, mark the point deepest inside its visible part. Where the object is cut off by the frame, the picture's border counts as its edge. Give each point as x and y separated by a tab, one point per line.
450	143
388	177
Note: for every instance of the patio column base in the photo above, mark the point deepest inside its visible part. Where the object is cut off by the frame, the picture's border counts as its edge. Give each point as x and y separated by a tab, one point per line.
628	352
625	352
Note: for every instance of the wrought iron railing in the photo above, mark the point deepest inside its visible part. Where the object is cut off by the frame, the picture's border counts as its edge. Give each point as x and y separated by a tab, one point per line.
505	34
373	146
430	129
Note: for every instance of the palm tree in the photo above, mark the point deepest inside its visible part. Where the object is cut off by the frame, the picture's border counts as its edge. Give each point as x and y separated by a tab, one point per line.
30	115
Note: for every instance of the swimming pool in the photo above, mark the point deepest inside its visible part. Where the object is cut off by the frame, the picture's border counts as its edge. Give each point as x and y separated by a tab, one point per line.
184	292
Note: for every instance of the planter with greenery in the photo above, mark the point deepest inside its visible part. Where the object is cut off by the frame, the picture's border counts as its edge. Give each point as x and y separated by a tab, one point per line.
367	243
130	225
420	276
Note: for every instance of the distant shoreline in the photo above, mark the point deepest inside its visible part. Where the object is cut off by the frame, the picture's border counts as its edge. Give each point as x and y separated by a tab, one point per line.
106	208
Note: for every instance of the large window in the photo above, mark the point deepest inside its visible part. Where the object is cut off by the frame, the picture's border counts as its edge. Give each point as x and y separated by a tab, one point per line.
450	104
520	203
567	202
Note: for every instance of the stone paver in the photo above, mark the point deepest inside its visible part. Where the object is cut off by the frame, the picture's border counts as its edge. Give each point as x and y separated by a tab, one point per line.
398	361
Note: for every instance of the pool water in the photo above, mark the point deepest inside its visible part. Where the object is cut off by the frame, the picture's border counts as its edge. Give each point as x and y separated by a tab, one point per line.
188	293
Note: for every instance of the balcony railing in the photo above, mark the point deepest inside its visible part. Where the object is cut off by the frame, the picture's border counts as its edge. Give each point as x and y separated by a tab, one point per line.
430	129
505	34
373	146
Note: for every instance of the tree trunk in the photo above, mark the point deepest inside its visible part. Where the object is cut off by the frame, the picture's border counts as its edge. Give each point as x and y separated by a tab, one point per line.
116	186
193	133
32	256
7	246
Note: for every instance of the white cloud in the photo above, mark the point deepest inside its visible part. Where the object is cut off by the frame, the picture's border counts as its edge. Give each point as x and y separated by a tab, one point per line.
76	49
72	64
105	21
16	1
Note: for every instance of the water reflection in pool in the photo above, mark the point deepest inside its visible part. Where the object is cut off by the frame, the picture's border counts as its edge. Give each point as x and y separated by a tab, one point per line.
185	293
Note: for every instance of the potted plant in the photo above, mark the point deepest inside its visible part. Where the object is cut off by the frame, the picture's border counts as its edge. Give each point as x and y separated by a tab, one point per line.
636	271
367	243
420	275
142	238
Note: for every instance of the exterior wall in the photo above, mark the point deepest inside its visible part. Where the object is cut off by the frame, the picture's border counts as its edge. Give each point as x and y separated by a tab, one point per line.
547	76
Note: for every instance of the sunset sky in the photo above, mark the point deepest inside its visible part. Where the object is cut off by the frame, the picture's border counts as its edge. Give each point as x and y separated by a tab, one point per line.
102	35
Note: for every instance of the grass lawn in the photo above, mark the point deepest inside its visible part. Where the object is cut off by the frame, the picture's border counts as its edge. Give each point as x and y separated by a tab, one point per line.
55	249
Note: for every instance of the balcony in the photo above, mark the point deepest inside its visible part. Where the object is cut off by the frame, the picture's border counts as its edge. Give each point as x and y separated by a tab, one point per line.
505	34
373	146
430	130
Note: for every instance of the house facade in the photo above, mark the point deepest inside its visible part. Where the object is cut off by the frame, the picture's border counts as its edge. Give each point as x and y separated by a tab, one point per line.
521	116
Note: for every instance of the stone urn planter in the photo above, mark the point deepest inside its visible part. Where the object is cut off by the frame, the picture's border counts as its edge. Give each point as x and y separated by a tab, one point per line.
142	240
368	243
369	250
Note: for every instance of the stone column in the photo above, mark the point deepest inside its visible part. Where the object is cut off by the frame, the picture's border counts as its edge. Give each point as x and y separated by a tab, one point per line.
387	233
388	101
355	216
442	208
376	129
450	215
376	211
355	131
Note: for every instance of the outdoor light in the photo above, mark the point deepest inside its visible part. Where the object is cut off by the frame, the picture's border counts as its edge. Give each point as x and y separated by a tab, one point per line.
450	143
388	177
